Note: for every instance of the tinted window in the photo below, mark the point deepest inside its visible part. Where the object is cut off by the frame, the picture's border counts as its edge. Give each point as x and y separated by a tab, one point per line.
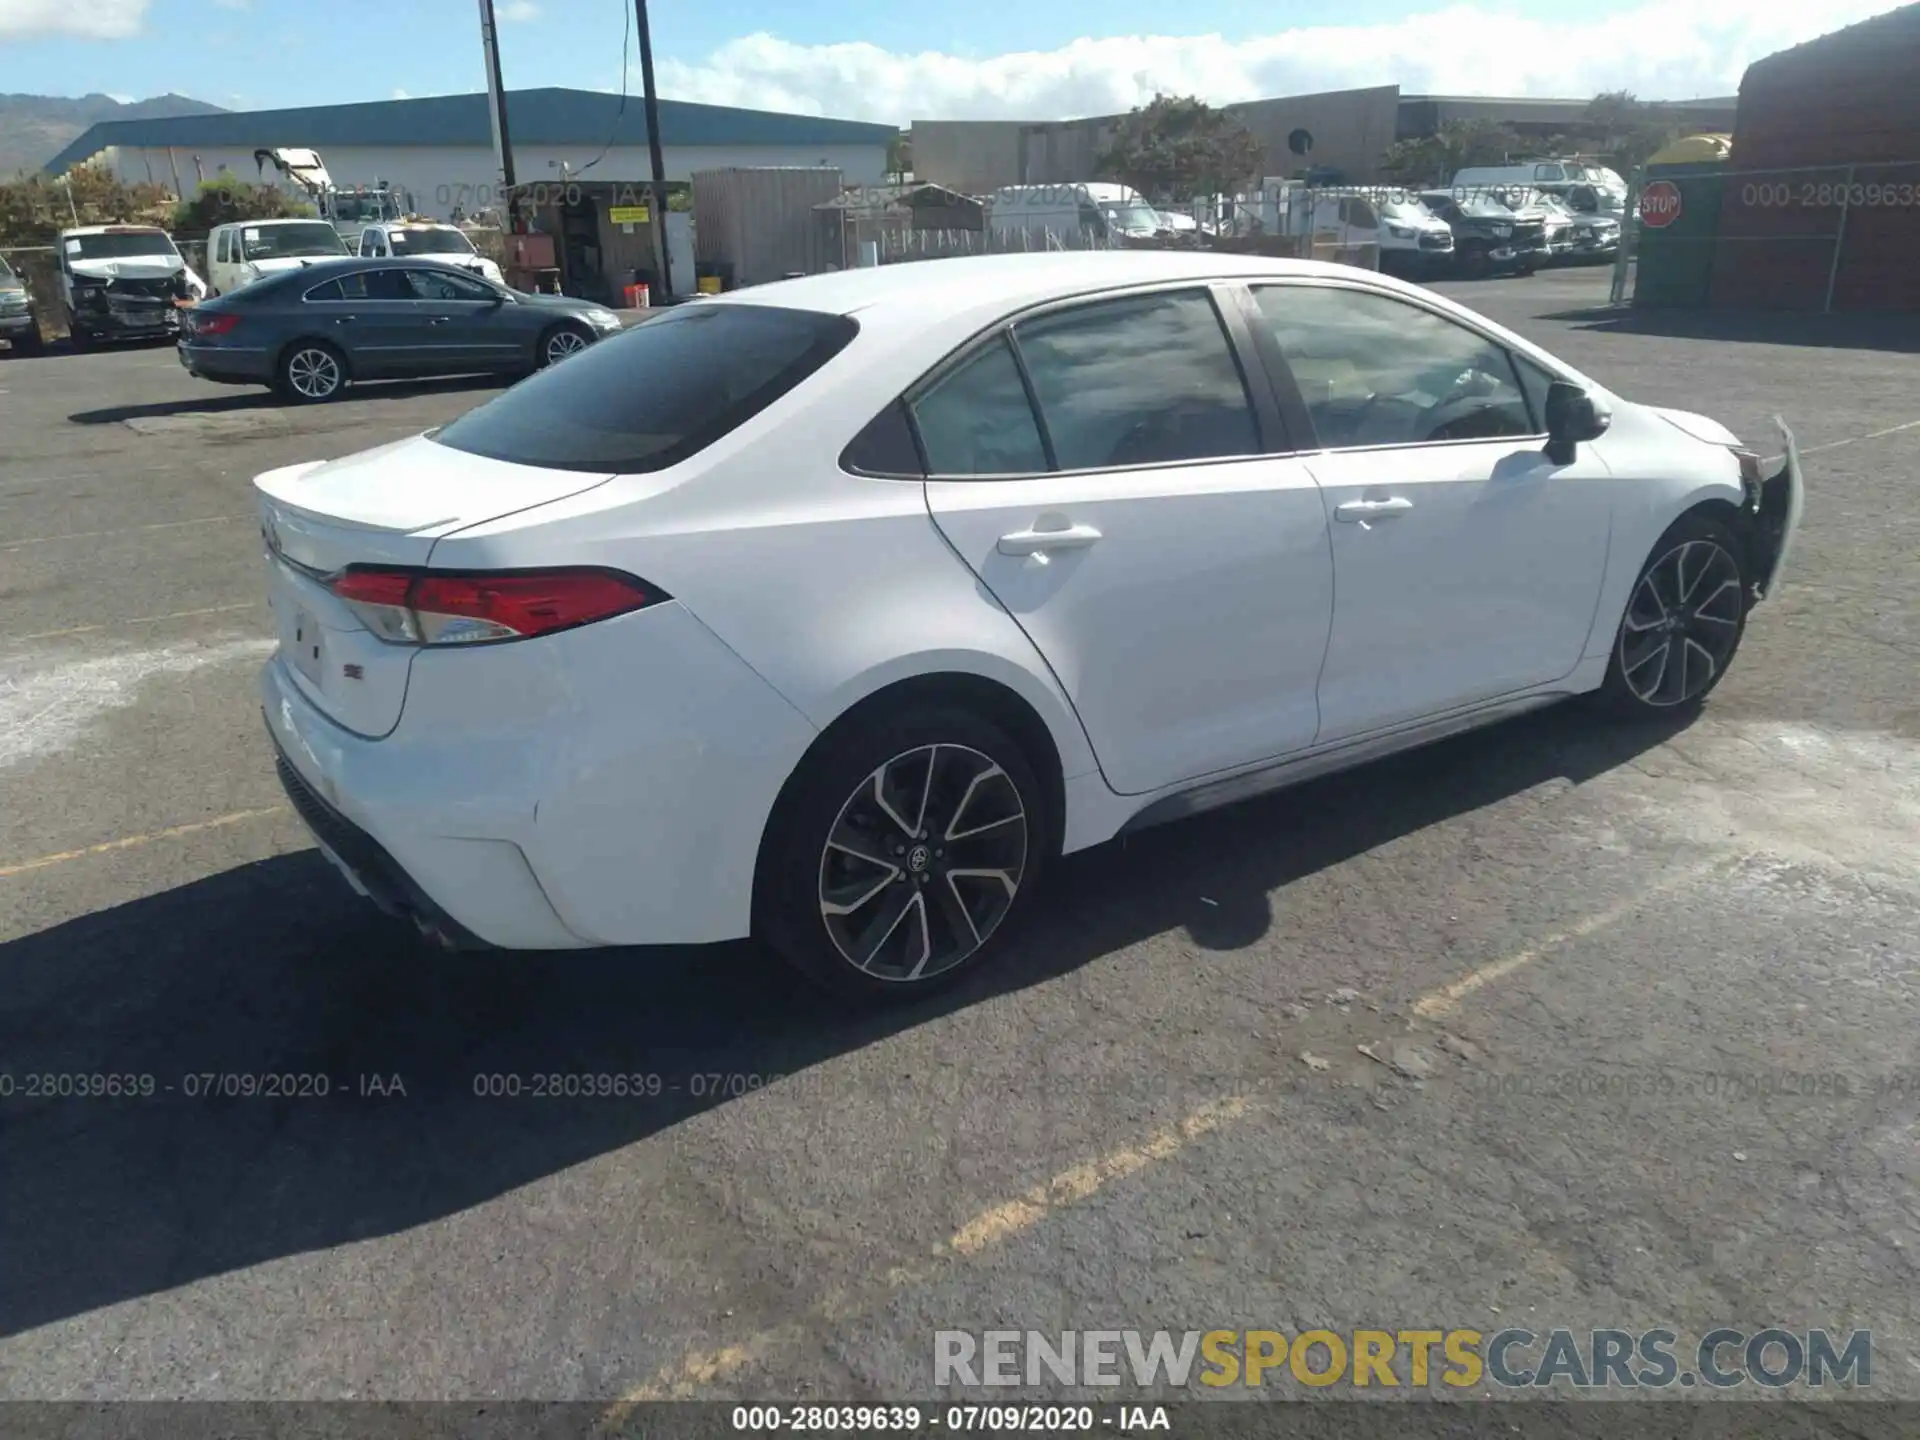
975	420
438	285
886	446
379	285
1148	380
1374	370
650	397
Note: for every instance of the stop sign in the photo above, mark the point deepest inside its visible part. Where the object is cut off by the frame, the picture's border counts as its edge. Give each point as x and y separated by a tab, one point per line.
1660	204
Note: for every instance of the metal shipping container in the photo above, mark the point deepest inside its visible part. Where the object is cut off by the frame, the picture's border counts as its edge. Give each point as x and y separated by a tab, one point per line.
760	221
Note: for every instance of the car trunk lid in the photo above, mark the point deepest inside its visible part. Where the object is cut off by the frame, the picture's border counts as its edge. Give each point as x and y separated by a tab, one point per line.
384	507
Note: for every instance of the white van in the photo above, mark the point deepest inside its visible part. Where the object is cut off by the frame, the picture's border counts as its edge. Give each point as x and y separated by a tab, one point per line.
123	281
1587	189
240	253
1070	216
1413	240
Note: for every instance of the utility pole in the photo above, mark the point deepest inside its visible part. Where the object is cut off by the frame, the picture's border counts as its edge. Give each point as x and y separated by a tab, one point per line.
659	215
497	109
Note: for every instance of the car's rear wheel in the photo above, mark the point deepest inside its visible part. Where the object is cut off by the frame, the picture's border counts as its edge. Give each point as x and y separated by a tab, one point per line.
1684	621
311	372
900	853
561	341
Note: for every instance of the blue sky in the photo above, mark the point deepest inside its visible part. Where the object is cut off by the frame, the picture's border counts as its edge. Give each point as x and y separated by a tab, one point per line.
881	60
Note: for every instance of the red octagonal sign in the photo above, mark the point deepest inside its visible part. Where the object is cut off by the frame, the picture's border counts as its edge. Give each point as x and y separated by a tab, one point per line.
1660	204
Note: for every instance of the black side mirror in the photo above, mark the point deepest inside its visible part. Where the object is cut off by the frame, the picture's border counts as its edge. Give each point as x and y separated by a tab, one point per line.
1573	417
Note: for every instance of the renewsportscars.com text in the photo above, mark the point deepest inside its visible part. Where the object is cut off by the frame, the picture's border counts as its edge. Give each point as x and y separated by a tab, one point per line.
1772	1358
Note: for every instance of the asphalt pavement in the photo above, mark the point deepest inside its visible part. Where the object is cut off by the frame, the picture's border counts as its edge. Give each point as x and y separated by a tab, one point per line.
1558	1024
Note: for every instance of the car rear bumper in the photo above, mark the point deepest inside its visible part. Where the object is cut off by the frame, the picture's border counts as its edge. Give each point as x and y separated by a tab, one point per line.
226	362
604	786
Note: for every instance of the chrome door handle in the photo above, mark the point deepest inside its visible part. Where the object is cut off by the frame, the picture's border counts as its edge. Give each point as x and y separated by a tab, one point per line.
344	319
439	319
1363	510
1037	541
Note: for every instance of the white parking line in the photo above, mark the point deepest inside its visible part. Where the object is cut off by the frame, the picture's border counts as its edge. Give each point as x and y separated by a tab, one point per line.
1871	435
123	530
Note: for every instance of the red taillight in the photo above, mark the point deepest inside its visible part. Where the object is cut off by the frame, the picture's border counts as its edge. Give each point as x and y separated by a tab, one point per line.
215	324
448	607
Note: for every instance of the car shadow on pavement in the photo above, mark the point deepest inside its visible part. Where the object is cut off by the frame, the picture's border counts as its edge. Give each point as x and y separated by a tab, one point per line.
275	969
249	398
1898	334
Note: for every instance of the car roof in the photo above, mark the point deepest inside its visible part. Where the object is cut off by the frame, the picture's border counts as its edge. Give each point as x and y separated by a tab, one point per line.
115	230
275	220
939	288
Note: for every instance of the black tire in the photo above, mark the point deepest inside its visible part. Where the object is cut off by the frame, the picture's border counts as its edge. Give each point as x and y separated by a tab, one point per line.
300	377
556	336
983	772
1693	592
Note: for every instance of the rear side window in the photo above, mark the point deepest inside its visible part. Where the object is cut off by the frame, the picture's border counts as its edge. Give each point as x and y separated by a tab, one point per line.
976	419
649	398
1147	380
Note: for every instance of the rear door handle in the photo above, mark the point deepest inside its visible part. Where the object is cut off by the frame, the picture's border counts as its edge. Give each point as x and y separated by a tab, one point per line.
1038	541
344	319
439	319
1362	510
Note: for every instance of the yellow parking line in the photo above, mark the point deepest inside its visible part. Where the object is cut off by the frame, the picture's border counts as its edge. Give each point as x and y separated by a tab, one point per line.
135	620
123	530
133	842
1448	997
993	1226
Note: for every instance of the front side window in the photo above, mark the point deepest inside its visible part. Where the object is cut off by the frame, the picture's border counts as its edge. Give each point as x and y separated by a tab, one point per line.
1144	380
976	420
445	285
1375	370
649	398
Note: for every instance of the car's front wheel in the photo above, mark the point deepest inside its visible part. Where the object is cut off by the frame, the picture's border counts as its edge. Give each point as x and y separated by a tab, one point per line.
561	341
1684	621
901	852
311	372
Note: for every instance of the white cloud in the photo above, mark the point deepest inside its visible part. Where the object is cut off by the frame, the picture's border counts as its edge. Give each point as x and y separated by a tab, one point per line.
93	20
519	10
399	94
120	99
1683	50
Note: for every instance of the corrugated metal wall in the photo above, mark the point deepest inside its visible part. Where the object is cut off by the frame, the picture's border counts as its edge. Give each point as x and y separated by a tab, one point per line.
761	221
1827	189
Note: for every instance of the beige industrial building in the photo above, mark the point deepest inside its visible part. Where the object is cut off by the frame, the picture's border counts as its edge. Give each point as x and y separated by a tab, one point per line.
1338	134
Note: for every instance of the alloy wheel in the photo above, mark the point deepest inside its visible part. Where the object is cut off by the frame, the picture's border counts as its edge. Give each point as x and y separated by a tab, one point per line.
563	343
923	862
314	373
1682	624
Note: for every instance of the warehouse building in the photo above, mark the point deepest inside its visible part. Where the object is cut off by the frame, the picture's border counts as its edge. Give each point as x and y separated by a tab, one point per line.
440	148
1821	209
580	156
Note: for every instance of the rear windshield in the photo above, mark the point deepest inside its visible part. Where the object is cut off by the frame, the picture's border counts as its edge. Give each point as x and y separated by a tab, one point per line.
651	397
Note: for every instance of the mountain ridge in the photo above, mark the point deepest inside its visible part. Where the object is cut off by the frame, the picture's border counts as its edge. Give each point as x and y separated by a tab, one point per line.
35	128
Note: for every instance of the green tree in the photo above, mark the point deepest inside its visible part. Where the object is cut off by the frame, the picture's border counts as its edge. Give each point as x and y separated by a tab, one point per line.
36	208
1627	129
227	199
900	157
1435	159
1179	147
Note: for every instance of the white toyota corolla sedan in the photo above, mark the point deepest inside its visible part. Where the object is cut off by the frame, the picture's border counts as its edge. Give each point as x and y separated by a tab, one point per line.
831	611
